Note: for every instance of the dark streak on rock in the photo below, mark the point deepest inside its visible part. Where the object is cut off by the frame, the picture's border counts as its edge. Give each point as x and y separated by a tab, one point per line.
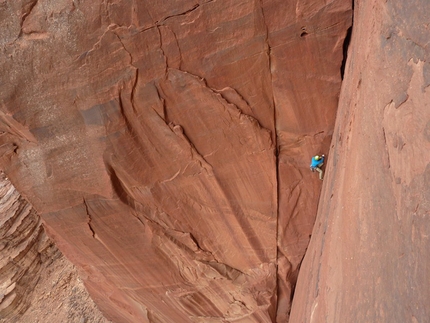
345	47
177	15
386	148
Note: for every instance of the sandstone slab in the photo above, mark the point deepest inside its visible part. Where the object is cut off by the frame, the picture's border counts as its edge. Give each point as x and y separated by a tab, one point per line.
166	146
368	258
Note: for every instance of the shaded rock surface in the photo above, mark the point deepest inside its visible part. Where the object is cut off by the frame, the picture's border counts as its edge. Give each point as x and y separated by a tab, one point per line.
23	245
166	145
35	278
368	259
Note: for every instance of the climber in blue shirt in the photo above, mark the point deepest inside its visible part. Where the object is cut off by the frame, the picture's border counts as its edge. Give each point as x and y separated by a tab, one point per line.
316	164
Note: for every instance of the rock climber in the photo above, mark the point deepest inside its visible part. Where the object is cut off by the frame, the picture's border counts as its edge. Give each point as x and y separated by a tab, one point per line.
316	164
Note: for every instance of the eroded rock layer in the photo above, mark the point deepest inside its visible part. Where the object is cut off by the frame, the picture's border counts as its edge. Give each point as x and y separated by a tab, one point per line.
166	145
35	278
22	241
59	295
368	259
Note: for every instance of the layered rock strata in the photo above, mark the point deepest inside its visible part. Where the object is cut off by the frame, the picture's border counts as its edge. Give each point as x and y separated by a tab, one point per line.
35	278
22	243
166	145
368	259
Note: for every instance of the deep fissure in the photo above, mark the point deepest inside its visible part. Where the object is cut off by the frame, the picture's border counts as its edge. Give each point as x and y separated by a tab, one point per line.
345	48
345	51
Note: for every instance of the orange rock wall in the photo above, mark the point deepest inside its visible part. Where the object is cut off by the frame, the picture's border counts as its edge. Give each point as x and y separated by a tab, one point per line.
368	257
166	145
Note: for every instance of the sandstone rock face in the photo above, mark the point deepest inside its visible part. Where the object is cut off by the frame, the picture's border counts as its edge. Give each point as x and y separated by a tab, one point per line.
166	145
35	278
368	259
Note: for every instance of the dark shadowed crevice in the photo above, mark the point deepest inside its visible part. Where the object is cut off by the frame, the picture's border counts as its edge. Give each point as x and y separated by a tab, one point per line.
93	233
118	186
345	48
272	310
304	32
345	51
346	43
178	14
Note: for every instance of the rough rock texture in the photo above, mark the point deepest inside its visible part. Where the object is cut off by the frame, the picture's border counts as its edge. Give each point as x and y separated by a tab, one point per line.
34	277
23	245
368	260
166	144
306	59
60	296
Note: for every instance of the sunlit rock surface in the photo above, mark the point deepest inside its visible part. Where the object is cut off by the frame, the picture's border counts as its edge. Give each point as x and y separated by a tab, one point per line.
166	145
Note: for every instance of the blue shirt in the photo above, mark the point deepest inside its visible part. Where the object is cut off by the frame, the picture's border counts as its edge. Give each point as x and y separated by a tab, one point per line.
316	163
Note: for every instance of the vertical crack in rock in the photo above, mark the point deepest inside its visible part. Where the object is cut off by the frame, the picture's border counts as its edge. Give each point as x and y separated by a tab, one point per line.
125	48
386	148
136	74
346	43
323	225
163	104
134	89
166	61
345	47
93	233
269	54
133	66
276	148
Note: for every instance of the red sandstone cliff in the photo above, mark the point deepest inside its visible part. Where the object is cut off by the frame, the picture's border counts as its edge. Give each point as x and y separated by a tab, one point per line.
166	145
368	260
